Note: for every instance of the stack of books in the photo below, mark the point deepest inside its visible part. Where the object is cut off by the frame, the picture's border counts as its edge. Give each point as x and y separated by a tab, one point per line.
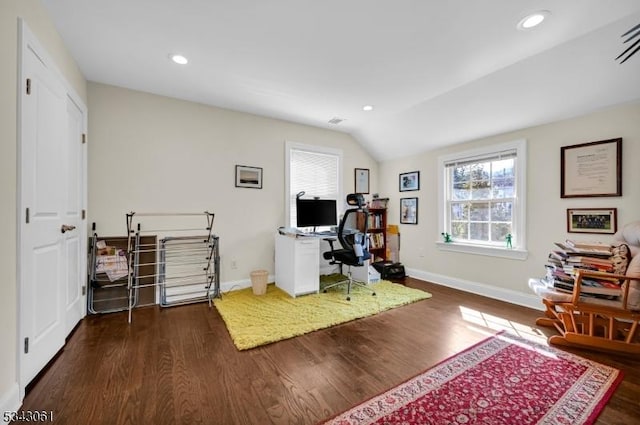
376	240
570	256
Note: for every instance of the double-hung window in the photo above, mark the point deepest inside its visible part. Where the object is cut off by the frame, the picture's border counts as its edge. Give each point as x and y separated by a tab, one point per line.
482	200
314	170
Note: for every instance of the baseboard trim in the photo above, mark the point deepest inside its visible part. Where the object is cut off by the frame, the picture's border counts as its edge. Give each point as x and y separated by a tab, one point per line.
501	294
10	401
236	285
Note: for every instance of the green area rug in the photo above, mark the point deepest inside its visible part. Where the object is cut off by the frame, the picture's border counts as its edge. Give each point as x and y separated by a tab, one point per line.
254	320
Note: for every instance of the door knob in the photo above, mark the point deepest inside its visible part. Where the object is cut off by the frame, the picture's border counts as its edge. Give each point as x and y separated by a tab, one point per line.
66	228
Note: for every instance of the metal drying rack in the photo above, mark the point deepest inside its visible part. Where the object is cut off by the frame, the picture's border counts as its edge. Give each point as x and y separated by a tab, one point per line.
187	258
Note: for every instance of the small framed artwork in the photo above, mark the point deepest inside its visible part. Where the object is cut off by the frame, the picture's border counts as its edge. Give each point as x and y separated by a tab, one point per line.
250	177
591	169
410	181
362	180
409	210
592	220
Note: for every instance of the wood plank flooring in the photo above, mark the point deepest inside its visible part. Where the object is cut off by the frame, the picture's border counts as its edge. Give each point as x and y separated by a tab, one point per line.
179	366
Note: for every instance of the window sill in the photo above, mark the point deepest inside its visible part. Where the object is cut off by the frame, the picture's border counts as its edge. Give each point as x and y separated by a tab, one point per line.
514	254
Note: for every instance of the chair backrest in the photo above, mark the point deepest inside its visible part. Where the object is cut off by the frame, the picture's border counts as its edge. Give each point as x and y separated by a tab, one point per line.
349	240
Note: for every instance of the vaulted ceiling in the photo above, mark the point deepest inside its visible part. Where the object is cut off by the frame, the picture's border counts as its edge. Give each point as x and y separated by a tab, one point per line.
436	72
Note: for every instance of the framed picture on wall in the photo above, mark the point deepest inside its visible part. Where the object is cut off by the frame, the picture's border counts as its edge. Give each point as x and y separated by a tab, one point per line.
250	177
410	181
591	169
592	220
361	180
409	210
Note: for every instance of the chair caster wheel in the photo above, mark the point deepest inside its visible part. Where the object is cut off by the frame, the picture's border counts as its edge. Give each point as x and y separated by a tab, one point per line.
348	298
325	291
374	294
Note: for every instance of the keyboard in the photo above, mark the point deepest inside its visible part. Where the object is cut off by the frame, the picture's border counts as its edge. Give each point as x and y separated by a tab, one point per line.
325	233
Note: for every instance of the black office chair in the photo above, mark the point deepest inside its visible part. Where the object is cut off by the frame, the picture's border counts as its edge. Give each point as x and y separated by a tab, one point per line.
354	251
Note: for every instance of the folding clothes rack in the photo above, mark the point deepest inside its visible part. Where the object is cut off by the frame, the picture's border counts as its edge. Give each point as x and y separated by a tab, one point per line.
186	258
108	275
107	289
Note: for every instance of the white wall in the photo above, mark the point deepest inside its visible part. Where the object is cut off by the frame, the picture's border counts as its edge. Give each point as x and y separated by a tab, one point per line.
36	18
153	153
546	211
150	153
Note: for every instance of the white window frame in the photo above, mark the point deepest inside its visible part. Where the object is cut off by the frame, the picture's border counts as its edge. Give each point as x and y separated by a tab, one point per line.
290	197
519	250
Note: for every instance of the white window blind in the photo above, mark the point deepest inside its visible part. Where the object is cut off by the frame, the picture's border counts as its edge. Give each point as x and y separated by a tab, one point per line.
494	156
315	171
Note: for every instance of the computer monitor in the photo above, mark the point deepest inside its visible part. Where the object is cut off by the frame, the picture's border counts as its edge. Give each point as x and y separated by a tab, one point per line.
316	212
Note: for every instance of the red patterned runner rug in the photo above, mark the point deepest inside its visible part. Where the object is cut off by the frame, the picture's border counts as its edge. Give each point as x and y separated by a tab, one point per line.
502	380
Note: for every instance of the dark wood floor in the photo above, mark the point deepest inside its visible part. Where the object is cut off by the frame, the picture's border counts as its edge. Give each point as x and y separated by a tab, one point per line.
179	366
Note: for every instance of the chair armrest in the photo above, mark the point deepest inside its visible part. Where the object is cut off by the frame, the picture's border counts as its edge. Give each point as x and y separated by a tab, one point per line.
329	255
331	241
580	274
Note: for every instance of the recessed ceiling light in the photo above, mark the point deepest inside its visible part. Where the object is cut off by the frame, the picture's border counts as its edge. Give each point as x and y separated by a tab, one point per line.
179	59
367	108
533	20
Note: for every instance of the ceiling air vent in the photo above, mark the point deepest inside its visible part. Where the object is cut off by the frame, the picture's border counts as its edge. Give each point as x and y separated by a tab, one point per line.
336	120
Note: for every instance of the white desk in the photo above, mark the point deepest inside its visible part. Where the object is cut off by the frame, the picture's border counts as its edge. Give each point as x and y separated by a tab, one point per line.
298	263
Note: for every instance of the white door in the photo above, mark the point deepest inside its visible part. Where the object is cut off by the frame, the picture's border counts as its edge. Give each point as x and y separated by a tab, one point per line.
74	240
51	262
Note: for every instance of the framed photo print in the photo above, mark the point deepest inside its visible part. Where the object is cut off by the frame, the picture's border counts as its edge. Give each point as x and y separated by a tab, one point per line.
410	181
250	177
409	210
591	169
592	220
361	180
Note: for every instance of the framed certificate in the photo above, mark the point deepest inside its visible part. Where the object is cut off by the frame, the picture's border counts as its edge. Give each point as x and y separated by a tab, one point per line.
591	169
362	180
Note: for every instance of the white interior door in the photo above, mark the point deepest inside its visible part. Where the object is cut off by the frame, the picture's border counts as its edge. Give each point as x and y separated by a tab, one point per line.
51	187
74	242
43	133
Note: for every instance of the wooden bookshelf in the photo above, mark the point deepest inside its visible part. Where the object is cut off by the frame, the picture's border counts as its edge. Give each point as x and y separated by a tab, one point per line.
377	231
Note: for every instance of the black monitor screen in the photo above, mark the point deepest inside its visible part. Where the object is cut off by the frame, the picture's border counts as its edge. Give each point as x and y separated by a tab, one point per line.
316	212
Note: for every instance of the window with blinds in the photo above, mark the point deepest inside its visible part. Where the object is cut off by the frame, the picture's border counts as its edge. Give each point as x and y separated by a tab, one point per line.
314	170
483	196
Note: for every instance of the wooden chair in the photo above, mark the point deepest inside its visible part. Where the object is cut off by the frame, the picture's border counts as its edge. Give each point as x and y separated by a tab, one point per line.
600	324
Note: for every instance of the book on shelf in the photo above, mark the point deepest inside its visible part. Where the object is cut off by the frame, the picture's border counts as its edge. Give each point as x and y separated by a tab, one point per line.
558	255
601	246
573	268
376	240
605	283
603	263
576	250
586	259
374	221
588	289
559	274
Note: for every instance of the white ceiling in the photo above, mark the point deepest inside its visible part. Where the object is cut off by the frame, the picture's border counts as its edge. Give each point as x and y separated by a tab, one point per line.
438	72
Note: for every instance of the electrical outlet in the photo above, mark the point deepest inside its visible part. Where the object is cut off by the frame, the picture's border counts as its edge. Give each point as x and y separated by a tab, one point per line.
234	264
